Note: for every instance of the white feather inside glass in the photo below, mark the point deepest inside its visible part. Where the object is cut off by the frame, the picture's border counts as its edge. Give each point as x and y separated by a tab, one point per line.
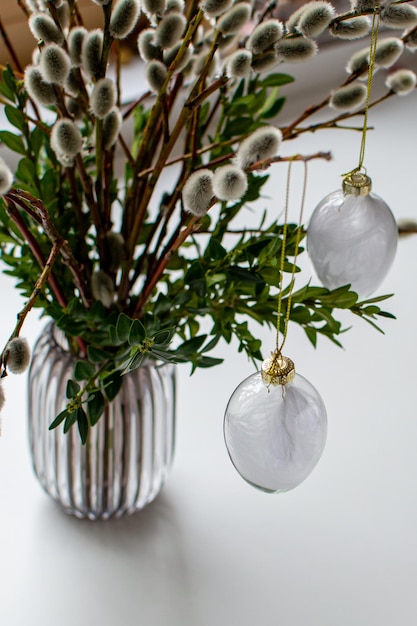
352	239
275	434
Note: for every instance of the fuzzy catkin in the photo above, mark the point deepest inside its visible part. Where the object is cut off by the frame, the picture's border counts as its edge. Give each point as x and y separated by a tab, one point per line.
171	54
116	248
169	30
103	97
264	36
297	49
198	192
214	8
239	64
54	64
388	51
265	61
153	7
315	18
75	44
351	29
261	144
6	178
39	90
402	82
111	128
229	183
155	75
348	97
123	18
63	14
358	62
91	52
66	138
174	6
148	50
234	19
399	15
17	355
102	287
43	27
361	6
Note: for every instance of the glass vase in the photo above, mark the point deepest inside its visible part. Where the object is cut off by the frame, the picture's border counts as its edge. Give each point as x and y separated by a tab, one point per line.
128	454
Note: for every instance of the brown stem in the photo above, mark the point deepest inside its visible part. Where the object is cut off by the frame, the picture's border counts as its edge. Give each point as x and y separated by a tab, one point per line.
10	48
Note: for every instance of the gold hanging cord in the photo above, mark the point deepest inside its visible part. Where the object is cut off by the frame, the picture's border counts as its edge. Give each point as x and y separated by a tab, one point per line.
278	369
355	181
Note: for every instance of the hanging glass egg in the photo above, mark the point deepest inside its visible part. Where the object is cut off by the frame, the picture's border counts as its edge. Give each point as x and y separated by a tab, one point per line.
275	427
352	237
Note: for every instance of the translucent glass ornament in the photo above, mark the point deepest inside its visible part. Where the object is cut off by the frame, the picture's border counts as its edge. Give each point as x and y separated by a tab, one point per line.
352	237
275	434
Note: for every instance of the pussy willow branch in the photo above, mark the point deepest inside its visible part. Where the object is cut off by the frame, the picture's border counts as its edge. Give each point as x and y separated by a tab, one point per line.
10	48
21	316
25	200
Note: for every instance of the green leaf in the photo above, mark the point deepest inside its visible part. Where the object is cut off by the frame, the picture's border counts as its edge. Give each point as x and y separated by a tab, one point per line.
272	108
15	117
82	424
72	389
26	172
276	80
59	419
96	355
7	92
137	333
70	420
83	370
12	141
123	327
112	385
164	337
95	407
191	346
215	250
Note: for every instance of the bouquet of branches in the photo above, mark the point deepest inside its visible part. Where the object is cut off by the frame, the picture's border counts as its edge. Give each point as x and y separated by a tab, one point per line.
130	269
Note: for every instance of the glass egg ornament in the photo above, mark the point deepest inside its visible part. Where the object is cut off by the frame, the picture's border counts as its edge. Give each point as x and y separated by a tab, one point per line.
275	427
352	237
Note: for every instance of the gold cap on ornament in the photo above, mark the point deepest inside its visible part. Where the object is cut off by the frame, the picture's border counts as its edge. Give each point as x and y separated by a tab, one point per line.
357	184
277	369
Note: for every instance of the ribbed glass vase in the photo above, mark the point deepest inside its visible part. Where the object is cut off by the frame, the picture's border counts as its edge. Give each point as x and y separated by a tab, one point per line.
129	451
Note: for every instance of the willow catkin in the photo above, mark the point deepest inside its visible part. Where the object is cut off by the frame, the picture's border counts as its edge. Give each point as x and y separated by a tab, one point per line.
351	29
315	18
148	50
6	178
229	182
43	27
153	7
66	138
399	15
402	82
297	49
348	97
264	36
234	19
261	144
169	30
17	355
91	52
39	90
102	287
358	62
388	51
123	18
198	192
239	64
76	38
214	8
171	54
155	74
174	6
54	64
111	128
103	97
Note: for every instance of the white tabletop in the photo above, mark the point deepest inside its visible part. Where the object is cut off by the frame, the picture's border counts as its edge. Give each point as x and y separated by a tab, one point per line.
340	550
